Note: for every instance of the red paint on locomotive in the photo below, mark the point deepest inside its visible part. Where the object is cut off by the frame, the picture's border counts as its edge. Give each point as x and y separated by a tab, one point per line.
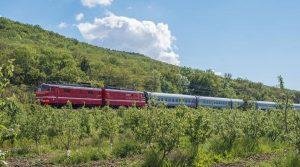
58	95
116	98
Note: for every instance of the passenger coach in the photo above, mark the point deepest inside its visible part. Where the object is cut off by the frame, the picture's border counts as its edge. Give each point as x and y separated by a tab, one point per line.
172	100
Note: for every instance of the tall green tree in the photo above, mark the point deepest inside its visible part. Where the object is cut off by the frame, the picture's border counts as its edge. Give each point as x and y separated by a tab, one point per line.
285	103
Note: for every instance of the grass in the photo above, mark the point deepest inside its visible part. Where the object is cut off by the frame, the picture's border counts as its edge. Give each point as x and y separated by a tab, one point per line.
80	156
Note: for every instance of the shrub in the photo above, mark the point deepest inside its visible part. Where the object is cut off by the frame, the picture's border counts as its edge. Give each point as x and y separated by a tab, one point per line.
152	159
204	159
127	148
181	157
244	147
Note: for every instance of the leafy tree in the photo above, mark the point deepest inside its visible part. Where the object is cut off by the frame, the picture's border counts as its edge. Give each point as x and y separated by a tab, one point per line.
35	125
296	132
153	82
6	72
106	125
285	102
226	128
198	129
142	124
85	65
8	118
85	125
227	89
168	132
26	67
206	84
68	130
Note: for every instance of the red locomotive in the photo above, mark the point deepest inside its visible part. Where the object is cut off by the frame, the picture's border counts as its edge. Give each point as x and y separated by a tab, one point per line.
82	95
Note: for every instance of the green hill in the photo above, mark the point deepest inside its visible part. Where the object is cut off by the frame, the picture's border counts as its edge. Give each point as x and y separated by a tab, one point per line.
44	56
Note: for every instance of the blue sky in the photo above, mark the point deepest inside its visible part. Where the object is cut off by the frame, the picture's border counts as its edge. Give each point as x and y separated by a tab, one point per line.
253	39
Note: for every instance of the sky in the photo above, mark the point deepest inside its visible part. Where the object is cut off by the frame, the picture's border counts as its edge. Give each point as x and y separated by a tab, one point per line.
252	39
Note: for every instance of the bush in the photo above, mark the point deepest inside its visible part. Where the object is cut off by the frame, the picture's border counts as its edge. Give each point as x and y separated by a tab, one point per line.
181	157
152	159
205	159
218	145
127	148
244	147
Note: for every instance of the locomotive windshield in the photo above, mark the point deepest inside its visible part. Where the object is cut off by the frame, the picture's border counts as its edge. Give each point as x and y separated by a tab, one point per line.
44	88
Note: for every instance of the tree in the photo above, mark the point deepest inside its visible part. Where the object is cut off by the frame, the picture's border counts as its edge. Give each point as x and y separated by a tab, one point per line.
69	126
142	124
153	82
106	125
6	72
26	67
85	124
285	102
205	84
8	105
198	129
35	124
226	88
85	66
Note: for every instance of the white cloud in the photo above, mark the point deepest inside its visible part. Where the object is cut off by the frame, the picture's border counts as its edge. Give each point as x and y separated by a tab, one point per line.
79	16
129	34
63	25
93	3
216	72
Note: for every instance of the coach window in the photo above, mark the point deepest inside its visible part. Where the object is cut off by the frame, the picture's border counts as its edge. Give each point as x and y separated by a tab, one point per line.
90	92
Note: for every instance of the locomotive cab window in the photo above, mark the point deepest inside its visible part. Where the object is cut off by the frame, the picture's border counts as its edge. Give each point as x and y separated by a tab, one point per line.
44	88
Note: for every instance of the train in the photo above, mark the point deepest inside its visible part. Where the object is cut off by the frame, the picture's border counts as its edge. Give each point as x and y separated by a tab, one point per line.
84	95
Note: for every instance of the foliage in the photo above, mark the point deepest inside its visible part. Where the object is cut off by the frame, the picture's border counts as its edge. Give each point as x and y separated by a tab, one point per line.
196	137
34	125
106	126
126	148
6	72
68	130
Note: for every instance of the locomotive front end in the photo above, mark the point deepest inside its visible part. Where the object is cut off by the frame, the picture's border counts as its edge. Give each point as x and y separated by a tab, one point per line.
43	94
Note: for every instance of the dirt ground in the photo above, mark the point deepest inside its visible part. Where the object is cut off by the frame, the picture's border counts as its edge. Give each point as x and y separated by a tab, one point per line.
43	160
250	161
